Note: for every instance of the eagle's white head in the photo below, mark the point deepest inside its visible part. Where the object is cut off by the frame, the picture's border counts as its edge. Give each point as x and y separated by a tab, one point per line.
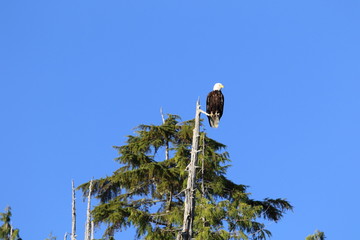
218	86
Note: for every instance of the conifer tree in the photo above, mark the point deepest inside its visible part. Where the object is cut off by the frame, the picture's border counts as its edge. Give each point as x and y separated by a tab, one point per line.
147	191
7	232
316	236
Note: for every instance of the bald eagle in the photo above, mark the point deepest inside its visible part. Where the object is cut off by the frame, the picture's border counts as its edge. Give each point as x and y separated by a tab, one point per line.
215	105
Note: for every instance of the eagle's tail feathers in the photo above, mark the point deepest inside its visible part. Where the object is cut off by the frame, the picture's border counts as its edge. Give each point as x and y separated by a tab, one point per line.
214	120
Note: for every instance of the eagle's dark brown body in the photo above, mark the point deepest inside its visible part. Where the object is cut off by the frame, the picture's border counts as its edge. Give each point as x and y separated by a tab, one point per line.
215	107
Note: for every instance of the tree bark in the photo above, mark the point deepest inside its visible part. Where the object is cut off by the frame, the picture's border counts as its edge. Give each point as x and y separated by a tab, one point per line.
88	214
189	205
167	142
73	222
92	230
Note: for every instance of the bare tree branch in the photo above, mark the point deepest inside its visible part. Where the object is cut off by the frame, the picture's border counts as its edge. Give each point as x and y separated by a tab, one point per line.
189	206
88	214
73	222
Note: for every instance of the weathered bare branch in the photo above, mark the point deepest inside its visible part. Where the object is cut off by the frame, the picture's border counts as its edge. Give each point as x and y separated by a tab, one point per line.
167	142
73	222
88	214
189	206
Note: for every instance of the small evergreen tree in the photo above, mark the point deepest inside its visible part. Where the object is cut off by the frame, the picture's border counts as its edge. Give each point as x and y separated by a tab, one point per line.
147	191
7	232
316	236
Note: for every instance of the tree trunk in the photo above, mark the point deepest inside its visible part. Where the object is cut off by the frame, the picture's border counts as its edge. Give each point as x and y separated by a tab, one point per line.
167	142
92	230
189	204
73	222
88	215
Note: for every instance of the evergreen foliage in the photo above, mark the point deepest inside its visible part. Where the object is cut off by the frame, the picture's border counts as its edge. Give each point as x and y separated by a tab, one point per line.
146	192
316	236
7	232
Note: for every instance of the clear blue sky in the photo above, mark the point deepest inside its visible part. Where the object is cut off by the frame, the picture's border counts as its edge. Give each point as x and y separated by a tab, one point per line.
77	76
